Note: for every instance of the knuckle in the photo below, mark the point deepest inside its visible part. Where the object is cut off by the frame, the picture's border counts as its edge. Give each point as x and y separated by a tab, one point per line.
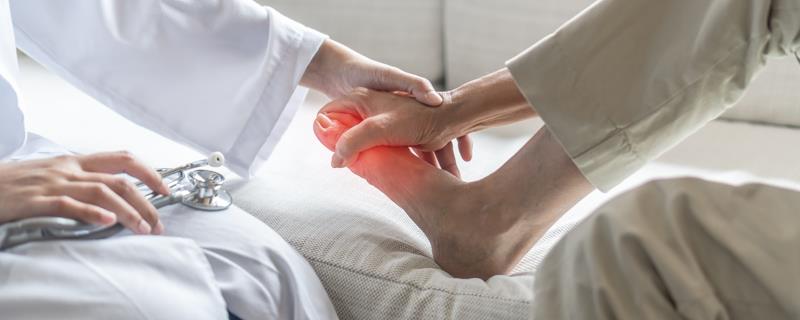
123	186
97	189
375	126
64	158
125	156
361	95
61	203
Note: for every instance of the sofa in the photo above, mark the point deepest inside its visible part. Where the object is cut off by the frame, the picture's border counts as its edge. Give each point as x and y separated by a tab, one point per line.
371	258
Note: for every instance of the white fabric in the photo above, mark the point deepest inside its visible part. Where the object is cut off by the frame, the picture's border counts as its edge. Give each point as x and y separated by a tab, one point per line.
12	123
406	34
205	264
172	65
216	75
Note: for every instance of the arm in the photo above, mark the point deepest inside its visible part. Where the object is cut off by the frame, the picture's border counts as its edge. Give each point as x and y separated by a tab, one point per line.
215	75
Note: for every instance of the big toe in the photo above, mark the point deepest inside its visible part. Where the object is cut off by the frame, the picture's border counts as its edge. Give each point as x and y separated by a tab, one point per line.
328	127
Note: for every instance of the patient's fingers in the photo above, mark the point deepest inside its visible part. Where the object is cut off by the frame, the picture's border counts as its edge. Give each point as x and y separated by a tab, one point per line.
465	147
102	196
124	162
447	159
130	194
428	156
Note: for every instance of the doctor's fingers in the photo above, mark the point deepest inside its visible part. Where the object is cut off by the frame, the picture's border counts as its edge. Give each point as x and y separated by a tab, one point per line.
100	195
128	191
124	162
394	79
64	206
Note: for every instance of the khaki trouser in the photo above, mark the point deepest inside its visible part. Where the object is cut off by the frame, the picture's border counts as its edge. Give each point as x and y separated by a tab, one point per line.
627	79
679	249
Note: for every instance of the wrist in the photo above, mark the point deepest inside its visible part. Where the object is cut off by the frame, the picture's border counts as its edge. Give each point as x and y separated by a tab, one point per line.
327	62
489	101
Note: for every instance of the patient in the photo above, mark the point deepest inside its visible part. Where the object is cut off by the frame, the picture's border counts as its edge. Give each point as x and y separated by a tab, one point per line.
613	96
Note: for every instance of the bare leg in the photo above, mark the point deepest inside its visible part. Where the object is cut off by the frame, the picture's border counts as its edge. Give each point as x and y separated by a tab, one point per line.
476	229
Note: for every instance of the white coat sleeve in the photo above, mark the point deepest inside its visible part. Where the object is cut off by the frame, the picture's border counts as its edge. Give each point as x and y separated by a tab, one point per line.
217	75
626	80
12	121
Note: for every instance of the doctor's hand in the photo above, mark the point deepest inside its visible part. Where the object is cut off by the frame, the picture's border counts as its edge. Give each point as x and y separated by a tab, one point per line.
336	70
83	188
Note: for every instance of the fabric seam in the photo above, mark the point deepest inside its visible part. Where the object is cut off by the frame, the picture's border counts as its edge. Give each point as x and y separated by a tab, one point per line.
415	286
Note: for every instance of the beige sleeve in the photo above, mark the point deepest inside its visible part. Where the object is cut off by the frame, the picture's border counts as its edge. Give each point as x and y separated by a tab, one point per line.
626	80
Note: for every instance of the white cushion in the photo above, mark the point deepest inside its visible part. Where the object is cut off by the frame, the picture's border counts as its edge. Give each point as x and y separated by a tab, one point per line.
406	34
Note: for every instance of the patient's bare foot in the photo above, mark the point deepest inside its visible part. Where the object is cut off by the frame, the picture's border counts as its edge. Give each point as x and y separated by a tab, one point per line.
473	233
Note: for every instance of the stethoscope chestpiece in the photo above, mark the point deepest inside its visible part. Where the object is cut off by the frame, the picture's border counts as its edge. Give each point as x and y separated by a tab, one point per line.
207	194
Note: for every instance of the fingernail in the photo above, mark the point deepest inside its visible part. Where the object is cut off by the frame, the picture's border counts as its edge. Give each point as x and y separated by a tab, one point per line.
143	228
434	97
159	229
165	189
324	121
337	161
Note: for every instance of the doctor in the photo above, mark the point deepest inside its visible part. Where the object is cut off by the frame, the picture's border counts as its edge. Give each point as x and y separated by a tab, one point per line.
160	63
616	87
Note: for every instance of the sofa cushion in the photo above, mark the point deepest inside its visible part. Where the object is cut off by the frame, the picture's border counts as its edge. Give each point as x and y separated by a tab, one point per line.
773	96
406	34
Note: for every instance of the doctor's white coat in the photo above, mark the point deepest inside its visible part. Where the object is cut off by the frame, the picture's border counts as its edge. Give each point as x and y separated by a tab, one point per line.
214	75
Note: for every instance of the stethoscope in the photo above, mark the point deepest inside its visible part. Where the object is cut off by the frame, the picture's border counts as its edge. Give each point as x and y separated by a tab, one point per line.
202	190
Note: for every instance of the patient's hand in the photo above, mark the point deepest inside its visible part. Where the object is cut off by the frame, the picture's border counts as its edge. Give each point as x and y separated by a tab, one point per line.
470	234
83	188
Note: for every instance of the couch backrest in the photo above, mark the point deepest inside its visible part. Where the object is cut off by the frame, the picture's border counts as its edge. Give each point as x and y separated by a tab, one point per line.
405	33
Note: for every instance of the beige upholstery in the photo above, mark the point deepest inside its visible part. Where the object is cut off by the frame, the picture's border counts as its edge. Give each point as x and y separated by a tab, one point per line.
406	34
